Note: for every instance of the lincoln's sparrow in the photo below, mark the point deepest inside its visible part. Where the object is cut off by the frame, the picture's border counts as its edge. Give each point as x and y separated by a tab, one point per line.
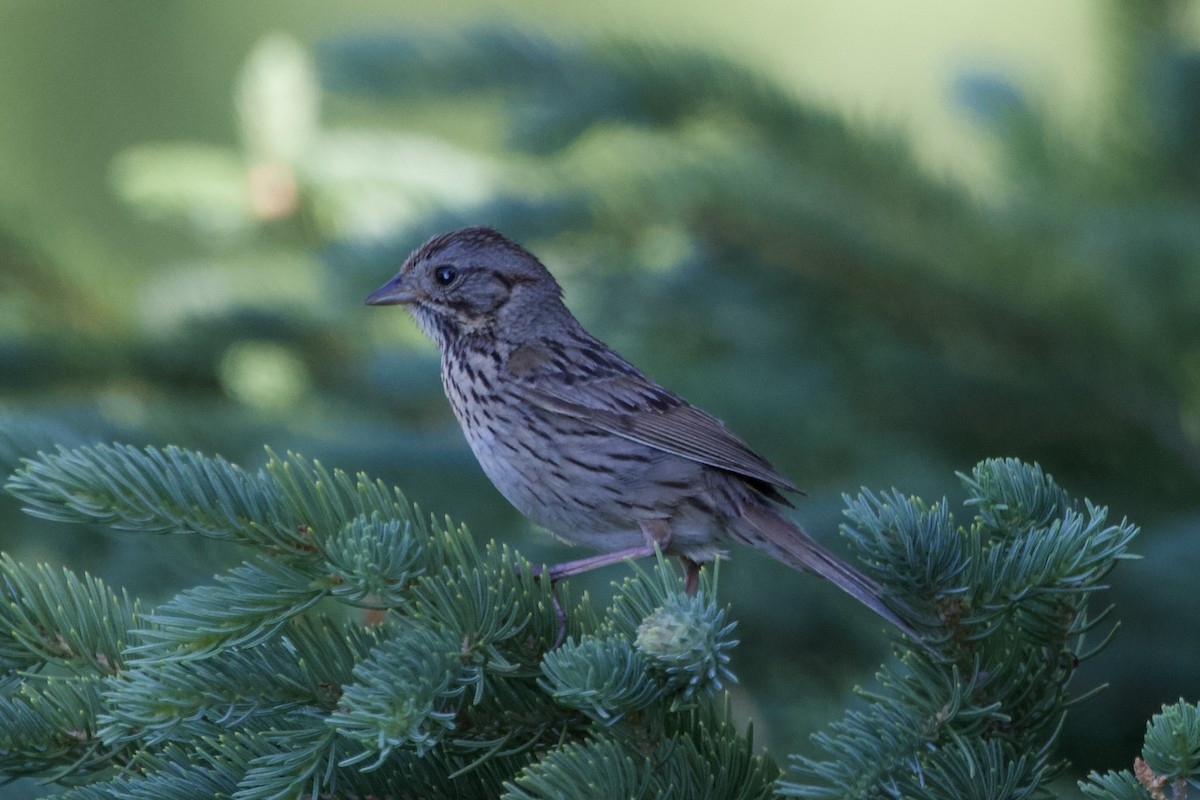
577	438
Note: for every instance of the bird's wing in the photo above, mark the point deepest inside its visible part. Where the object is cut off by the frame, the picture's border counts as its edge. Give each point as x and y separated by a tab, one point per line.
589	382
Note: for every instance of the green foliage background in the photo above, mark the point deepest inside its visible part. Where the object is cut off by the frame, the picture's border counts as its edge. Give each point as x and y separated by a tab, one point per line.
858	316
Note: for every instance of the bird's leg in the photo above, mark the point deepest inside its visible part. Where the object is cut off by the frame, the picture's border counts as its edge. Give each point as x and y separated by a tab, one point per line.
560	619
582	565
658	536
691	575
658	532
569	568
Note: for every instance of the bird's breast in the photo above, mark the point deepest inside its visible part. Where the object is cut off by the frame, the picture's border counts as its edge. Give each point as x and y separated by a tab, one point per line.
500	430
583	483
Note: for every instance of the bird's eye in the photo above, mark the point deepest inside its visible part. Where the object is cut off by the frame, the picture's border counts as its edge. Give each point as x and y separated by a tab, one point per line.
445	275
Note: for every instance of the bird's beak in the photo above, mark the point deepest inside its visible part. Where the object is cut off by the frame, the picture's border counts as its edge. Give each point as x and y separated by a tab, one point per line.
394	292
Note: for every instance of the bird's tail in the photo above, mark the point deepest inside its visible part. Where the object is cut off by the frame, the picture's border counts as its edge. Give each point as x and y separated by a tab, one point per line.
763	528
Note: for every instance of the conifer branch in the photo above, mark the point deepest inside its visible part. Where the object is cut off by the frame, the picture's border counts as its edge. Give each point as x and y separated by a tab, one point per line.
248	687
1009	593
1168	766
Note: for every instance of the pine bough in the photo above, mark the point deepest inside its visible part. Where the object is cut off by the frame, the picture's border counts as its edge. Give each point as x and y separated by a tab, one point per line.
268	684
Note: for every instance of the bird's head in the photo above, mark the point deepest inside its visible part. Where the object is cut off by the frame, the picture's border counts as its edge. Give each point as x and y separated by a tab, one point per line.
472	280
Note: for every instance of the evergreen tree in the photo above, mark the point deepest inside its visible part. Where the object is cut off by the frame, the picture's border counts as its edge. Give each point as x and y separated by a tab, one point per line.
719	227
266	684
1168	766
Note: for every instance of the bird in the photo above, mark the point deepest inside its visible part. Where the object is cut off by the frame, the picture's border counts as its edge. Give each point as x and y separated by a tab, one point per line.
580	440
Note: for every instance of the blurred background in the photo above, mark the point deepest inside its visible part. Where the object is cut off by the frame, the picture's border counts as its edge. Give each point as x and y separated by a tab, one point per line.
881	241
